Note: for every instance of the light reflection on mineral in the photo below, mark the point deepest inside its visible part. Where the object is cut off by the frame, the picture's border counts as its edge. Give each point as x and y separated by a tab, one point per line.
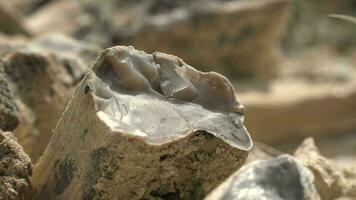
162	98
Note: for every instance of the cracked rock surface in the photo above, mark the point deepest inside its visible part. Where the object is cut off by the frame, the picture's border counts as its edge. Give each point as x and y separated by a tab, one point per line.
148	126
15	169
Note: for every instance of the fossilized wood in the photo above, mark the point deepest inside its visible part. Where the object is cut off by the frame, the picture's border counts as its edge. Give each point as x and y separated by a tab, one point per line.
143	126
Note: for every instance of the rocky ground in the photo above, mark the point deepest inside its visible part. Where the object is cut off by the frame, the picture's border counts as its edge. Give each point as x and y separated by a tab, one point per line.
81	120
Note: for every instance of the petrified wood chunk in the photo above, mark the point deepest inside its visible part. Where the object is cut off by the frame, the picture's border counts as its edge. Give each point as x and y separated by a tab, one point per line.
281	178
144	126
15	169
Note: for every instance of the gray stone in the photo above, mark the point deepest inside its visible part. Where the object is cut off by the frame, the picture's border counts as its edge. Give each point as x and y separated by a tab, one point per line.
281	178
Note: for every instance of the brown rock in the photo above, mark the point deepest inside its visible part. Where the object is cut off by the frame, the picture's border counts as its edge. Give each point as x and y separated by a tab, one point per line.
143	126
10	24
15	169
329	179
41	73
295	110
243	36
41	88
8	111
238	32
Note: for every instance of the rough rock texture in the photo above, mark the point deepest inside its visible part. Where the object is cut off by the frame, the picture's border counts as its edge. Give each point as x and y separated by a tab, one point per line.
42	74
281	178
8	111
143	126
329	178
41	88
350	176
237	32
15	169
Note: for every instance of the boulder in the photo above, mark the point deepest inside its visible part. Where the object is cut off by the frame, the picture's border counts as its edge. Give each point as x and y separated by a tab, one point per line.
143	126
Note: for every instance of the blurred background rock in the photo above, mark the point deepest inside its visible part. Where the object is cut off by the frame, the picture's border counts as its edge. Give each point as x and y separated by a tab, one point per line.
293	68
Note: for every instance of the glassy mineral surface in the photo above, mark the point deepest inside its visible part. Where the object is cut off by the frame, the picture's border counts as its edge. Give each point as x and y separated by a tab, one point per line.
144	126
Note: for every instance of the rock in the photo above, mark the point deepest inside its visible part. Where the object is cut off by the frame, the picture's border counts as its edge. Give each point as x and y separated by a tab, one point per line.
237	32
15	169
281	178
10	44
65	46
309	26
8	111
262	151
41	87
10	24
243	36
143	126
40	100
329	179
294	110
76	56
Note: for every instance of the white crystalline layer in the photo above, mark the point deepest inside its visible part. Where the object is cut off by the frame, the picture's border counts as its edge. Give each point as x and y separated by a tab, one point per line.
160	98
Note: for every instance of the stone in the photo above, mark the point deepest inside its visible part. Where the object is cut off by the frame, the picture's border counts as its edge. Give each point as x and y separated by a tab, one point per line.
8	111
15	169
309	27
10	24
309	110
64	62
262	151
143	126
281	178
10	44
41	87
76	56
236	31
329	178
